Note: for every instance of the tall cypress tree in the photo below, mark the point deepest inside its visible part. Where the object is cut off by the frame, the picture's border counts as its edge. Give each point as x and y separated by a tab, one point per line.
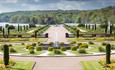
114	35
18	27
8	32
111	29
35	32
6	55
77	33
108	53
95	26
3	32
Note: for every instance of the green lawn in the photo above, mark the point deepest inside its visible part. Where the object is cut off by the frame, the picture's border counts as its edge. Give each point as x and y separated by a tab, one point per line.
21	49
92	65
21	65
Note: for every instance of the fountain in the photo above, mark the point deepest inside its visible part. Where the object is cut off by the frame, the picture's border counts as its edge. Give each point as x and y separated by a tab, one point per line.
56	43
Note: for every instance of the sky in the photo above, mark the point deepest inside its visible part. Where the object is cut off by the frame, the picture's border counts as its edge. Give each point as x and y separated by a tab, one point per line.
25	5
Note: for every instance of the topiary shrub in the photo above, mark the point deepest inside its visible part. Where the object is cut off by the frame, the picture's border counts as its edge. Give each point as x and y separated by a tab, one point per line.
81	25
82	50
108	53
57	51
51	43
38	43
22	43
74	48
10	45
6	55
33	44
28	47
78	33
63	49
61	43
84	45
31	51
104	43
79	44
38	48
12	50
101	49
90	42
73	42
50	48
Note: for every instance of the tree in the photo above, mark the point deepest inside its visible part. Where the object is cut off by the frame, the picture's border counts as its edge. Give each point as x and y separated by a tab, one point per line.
8	32
24	27
79	20
3	31
89	26
77	33
105	26
10	27
111	29
6	55
114	35
1	28
95	26
18	27
7	25
34	20
35	32
108	53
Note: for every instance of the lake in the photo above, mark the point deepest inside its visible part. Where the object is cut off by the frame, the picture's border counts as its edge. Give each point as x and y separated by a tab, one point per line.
15	24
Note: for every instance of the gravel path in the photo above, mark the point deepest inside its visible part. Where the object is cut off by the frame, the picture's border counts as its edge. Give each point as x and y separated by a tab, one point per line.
58	63
57	34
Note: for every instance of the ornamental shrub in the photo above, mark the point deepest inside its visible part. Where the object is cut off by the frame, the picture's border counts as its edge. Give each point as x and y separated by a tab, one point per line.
101	49
74	48
38	48
84	45
50	48
57	51
82	50
12	50
63	49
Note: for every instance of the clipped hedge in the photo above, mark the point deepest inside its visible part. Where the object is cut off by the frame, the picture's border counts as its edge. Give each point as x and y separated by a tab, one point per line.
101	49
74	48
12	50
84	45
50	48
82	50
63	49
57	51
38	48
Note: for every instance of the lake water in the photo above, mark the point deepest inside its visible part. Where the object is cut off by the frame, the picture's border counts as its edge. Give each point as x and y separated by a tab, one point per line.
15	24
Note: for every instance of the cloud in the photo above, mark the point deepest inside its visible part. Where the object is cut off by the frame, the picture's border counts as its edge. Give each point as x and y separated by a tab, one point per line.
36	0
11	1
67	5
18	5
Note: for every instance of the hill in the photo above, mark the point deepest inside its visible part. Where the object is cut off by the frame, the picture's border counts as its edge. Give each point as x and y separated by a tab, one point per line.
60	16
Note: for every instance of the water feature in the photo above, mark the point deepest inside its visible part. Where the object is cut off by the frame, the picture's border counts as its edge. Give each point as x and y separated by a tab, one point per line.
56	43
15	24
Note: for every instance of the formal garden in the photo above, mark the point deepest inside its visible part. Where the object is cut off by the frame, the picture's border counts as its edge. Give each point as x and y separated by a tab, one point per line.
31	39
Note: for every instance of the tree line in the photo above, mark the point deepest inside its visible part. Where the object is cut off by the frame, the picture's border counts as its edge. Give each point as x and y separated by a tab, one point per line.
99	16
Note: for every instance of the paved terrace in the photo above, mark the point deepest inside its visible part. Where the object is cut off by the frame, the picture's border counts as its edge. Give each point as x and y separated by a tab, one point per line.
57	34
